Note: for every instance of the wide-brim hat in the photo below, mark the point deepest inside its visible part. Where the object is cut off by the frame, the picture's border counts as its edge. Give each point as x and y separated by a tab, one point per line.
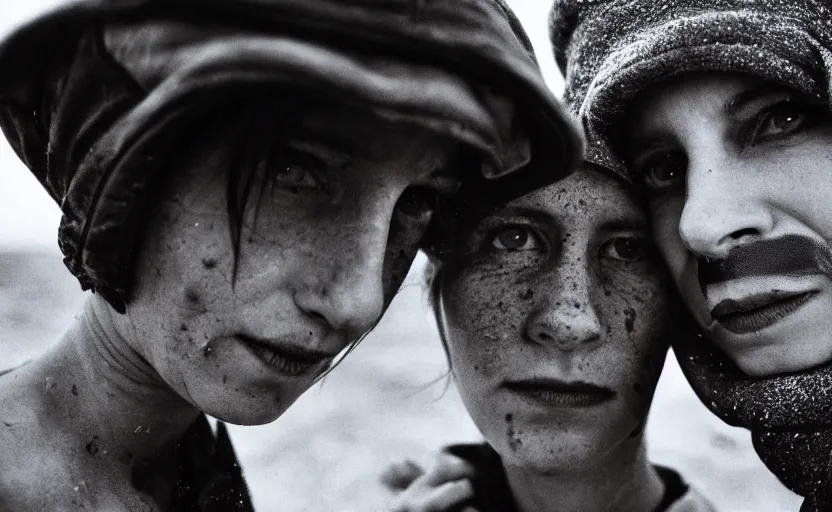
93	94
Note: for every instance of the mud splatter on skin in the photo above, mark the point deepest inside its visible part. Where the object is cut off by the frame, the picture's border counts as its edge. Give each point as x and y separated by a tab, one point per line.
92	447
564	302
629	319
294	242
192	297
514	441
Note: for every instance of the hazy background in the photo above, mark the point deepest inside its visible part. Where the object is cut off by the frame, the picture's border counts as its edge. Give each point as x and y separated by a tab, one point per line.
386	401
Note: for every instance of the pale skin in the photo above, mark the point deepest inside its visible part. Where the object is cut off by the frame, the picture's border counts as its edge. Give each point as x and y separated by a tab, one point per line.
332	239
561	284
730	160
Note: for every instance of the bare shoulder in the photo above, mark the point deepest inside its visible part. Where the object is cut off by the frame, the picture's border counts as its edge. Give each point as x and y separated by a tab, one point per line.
36	478
40	469
26	456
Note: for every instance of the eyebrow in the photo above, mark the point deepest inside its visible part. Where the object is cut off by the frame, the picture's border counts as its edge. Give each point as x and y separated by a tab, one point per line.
623	224
347	147
525	211
747	97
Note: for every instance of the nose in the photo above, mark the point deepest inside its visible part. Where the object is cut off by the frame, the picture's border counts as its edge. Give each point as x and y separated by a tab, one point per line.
567	322
347	291
723	208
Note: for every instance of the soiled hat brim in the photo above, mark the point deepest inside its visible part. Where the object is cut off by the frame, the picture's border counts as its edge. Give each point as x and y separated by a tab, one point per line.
96	158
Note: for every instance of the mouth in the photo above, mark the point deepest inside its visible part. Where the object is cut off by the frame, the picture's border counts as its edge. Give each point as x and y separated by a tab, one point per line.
289	360
555	393
758	312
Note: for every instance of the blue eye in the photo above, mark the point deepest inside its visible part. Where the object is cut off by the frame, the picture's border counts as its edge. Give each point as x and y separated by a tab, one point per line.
515	238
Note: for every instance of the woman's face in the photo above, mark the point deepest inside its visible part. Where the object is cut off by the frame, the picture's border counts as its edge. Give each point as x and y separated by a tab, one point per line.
738	175
324	246
555	317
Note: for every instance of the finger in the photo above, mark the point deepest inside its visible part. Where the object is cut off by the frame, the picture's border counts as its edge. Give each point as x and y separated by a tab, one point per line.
447	468
400	475
446	496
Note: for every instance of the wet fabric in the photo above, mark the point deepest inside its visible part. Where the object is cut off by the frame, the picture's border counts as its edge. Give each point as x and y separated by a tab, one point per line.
610	50
210	477
95	95
492	493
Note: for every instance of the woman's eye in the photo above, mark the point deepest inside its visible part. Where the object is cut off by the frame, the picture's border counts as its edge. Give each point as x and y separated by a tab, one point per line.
626	249
417	202
781	119
515	238
297	170
664	170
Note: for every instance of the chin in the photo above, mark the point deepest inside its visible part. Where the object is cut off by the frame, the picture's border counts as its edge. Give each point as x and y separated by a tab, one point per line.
248	410
776	359
548	453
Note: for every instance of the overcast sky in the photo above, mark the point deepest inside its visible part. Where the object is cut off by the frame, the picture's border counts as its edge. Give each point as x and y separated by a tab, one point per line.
30	218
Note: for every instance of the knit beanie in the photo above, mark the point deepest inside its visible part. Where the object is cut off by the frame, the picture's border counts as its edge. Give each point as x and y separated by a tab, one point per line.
609	52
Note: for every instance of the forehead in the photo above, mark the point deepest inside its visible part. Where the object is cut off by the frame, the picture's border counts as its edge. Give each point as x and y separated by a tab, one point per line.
587	198
709	95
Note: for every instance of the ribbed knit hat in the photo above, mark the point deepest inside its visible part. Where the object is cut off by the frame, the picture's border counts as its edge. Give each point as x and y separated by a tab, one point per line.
612	50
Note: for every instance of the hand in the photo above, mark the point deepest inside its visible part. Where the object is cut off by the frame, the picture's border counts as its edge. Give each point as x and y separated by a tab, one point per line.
444	487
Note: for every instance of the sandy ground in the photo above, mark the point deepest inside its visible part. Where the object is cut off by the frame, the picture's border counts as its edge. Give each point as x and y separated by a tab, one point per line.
386	401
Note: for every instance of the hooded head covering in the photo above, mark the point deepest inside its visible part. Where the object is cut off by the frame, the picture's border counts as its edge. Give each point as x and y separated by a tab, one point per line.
93	95
610	51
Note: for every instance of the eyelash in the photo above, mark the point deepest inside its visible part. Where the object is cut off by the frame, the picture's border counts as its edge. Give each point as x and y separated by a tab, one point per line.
532	235
805	117
290	159
643	244
750	136
680	165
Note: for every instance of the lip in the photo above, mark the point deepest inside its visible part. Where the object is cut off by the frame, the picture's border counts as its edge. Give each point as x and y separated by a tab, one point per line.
557	393
757	312
289	360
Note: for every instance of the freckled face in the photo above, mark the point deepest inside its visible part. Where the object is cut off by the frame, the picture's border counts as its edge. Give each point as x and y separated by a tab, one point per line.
326	241
558	287
728	161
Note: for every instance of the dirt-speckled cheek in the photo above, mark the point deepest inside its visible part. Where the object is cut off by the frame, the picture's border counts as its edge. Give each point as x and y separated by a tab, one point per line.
487	305
641	301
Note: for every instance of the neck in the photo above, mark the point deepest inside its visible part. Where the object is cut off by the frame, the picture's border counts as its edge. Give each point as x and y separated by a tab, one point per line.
622	481
94	387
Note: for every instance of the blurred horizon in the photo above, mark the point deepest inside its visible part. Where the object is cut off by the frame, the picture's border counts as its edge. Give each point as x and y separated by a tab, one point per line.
388	400
31	217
